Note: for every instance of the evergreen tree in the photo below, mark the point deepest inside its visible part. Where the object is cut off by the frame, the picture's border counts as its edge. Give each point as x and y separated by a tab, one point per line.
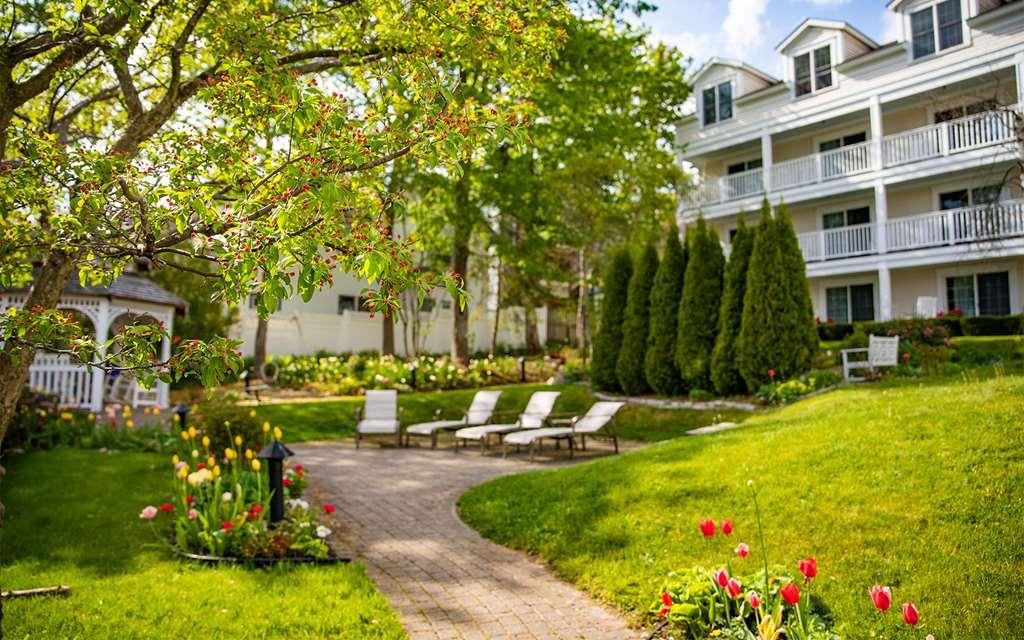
698	308
613	307
724	369
630	365
777	331
659	362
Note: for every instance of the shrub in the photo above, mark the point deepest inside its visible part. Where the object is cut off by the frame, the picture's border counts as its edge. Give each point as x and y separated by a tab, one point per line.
777	330
829	331
659	362
221	418
699	307
991	325
609	334
724	371
630	366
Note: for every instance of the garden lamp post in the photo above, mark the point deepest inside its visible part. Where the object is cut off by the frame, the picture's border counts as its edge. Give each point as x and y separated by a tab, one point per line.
275	453
182	412
522	368
412	373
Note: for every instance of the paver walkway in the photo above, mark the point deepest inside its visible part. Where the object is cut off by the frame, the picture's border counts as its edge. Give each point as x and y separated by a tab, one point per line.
396	507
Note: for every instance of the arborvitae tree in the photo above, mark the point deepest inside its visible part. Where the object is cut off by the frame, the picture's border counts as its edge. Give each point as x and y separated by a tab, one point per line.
630	366
613	307
725	371
698	308
659	363
777	331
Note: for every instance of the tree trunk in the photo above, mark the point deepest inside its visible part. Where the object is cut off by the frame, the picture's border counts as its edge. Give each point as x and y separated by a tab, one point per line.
460	315
16	357
259	349
582	299
387	336
532	337
497	312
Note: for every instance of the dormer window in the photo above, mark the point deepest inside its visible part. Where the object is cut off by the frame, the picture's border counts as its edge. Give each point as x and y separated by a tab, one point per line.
717	103
809	79
936	28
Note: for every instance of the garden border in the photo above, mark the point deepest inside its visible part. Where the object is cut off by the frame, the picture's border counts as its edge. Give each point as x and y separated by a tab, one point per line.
678	404
263	561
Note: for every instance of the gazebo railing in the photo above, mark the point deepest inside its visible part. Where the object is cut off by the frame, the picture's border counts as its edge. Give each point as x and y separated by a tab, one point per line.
55	373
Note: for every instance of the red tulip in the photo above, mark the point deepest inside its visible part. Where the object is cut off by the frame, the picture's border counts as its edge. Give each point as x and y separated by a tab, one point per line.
910	614
734	588
167	506
790	594
906	357
329	508
771	373
881	596
707	527
226	526
287	482
190	499
726	527
754	599
721	578
666	604
742	550
256	508
809	568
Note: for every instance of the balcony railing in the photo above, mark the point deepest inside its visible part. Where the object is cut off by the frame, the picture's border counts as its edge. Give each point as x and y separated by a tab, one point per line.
957	226
933	141
844	242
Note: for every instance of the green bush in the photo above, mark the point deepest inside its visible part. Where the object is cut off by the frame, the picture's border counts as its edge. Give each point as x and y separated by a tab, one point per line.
699	307
829	331
659	362
221	418
991	325
777	331
724	371
613	308
630	366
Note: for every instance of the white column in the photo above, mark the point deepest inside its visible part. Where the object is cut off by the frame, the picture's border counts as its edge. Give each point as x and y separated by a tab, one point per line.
875	112
766	161
881	216
99	378
1019	66
163	390
884	293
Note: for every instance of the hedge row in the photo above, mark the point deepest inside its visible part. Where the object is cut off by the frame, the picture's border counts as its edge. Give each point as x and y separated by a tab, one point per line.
957	326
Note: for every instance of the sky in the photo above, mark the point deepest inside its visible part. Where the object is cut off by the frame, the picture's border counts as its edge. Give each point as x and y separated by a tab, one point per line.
749	30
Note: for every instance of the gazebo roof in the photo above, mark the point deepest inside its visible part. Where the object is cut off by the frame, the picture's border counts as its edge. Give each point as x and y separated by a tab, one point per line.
130	287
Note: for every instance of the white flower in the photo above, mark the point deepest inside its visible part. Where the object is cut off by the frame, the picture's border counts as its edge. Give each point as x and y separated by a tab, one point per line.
226	496
298	503
322	531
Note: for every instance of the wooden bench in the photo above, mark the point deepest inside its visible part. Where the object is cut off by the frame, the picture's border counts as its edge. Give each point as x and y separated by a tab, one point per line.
881	352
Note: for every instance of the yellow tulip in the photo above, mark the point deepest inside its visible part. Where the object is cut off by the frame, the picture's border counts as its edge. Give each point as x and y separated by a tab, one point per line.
216	470
129	424
184	435
211	461
238	441
156	411
255	465
252	413
146	411
266	427
248	454
230	454
183	471
192	432
175	460
177	417
206	441
195	453
277	433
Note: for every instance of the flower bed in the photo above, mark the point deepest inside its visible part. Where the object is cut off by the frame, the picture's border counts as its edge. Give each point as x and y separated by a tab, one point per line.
221	504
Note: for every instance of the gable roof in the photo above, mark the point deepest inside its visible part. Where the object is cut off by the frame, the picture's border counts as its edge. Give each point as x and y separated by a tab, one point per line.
735	64
838	25
128	286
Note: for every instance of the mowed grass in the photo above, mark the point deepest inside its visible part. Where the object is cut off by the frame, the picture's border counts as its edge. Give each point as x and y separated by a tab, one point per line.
332	419
72	519
919	486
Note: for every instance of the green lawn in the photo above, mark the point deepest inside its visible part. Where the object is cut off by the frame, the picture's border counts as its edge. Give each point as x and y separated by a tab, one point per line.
916	485
336	418
72	518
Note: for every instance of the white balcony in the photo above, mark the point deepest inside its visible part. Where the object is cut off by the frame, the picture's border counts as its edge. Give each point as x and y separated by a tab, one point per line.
731	187
946	138
819	167
982	223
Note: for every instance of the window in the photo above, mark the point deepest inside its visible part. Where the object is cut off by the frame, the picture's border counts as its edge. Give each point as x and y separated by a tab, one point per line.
960	198
845	244
859	215
807	82
427	305
716	103
926	38
853	303
346	303
740	167
954	113
986	294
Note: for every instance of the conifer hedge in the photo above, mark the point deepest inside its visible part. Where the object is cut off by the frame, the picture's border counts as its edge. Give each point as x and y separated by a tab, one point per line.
699	306
630	365
725	373
659	363
777	332
618	271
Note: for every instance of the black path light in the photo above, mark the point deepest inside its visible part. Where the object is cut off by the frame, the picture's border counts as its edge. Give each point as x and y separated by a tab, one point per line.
182	412
275	454
522	368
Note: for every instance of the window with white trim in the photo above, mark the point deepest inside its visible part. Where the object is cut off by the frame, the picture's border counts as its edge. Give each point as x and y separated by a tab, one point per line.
716	103
936	28
986	294
740	167
960	198
812	71
853	303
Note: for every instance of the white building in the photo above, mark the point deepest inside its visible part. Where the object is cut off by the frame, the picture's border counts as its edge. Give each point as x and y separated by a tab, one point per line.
898	162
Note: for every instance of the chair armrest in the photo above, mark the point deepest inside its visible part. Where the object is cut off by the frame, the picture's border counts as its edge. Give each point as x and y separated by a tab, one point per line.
569	421
359	414
845	353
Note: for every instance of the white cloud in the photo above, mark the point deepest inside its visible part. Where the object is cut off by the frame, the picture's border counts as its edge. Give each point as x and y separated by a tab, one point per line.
743	27
827	3
699	46
890	26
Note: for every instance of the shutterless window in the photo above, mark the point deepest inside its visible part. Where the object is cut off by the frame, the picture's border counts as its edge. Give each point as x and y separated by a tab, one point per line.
855	303
710	109
716	103
961	198
821	78
951	32
927	39
986	294
822	68
740	167
802	74
346	303
724	101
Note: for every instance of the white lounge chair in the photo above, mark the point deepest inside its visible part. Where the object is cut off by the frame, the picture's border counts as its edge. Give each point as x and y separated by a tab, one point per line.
882	352
533	417
379	416
479	413
595	420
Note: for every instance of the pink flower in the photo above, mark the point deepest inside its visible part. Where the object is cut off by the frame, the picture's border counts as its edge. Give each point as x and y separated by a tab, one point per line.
192	514
148	513
721	578
734	588
742	550
754	599
707	527
726	527
881	597
910	614
771	373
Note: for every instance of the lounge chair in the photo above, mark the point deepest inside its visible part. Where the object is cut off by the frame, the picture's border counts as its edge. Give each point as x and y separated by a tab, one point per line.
379	416
533	417
479	413
597	419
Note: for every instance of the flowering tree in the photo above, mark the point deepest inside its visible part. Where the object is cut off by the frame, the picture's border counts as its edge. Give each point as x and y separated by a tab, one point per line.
247	135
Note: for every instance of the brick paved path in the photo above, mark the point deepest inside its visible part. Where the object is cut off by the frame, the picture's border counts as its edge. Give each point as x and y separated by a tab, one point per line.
396	508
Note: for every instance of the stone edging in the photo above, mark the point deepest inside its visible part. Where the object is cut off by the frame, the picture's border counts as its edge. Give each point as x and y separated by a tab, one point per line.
678	404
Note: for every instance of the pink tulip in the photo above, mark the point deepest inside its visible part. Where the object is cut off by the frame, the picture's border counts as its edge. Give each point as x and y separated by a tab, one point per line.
742	550
910	614
881	597
721	578
754	599
192	514
148	513
734	588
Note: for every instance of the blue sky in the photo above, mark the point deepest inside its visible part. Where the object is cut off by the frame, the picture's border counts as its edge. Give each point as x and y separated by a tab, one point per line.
750	29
